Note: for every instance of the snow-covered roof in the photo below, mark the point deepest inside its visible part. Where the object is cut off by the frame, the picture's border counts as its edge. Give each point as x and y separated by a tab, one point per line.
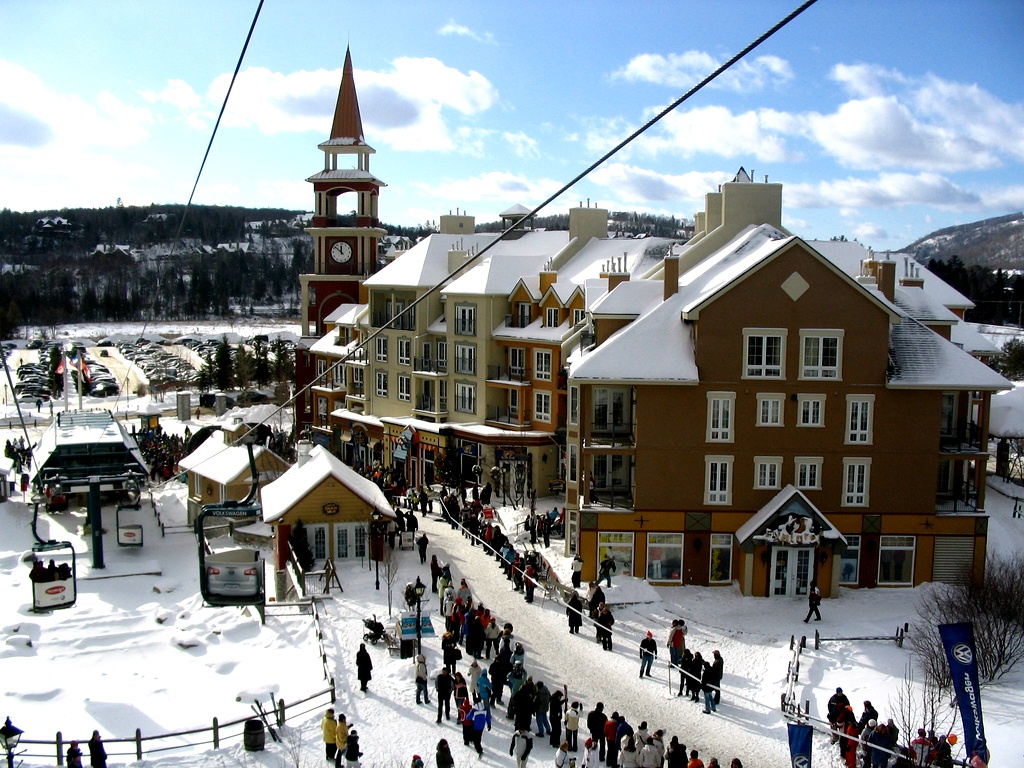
85	428
295	484
921	305
969	339
426	263
535	331
629	299
614	254
516	210
345	174
921	359
220	462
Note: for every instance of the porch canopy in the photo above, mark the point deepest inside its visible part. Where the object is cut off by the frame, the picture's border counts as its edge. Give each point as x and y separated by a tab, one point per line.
789	520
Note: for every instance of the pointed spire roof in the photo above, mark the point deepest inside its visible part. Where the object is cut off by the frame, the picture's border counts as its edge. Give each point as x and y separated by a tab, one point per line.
347	122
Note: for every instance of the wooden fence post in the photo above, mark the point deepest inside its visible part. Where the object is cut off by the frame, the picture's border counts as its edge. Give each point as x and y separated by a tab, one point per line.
138	743
60	748
280	713
216	734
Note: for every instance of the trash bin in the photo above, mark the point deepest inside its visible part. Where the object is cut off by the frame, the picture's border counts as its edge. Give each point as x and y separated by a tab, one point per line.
254	736
408	649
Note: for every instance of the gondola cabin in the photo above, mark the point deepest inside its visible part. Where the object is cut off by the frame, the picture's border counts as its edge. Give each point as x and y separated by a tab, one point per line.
53	576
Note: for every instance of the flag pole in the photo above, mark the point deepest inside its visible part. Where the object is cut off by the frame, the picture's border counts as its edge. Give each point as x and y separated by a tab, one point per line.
81	384
67	380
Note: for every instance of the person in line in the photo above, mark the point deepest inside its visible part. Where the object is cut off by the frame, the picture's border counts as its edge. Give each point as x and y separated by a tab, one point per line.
443	755
421	679
695	761
590	757
596	720
648	653
443	686
521	746
481	717
421	546
574	612
813	601
329	728
572	726
364	666
97	754
340	740
352	753
577	571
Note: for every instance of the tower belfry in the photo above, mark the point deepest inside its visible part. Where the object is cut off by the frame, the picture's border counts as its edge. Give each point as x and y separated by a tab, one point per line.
345	226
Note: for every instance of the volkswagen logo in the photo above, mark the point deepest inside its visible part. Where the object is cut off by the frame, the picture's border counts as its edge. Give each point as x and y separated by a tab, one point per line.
801	761
962	653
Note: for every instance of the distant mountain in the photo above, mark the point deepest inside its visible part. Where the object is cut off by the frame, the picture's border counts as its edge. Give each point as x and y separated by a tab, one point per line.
993	243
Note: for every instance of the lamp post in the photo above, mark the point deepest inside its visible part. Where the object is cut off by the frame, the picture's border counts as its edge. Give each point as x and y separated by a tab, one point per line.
378	542
419	588
10	735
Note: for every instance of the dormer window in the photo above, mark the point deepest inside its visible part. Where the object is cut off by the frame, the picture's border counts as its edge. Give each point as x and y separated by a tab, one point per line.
551	317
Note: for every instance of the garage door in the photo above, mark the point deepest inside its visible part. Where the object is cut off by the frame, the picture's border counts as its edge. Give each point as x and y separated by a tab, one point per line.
954	558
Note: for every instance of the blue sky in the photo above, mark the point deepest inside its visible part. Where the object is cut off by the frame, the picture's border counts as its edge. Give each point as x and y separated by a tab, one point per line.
884	120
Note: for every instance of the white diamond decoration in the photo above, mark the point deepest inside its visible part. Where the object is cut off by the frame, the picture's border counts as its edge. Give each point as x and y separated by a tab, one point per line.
795	286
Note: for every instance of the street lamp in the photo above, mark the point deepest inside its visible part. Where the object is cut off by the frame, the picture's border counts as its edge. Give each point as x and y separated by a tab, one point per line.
419	588
10	735
378	549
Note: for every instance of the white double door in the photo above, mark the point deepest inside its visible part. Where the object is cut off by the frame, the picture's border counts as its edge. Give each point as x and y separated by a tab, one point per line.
791	571
349	541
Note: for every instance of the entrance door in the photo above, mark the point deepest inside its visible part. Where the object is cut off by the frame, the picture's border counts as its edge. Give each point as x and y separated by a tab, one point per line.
791	571
317	537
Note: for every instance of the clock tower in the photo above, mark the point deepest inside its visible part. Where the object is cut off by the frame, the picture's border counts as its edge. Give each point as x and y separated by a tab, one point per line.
345	227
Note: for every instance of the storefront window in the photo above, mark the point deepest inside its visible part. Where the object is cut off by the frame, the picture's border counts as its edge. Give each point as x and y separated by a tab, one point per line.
664	556
849	564
618	546
721	558
896	560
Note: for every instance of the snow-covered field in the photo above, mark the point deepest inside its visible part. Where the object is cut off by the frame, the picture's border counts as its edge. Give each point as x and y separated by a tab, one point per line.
140	651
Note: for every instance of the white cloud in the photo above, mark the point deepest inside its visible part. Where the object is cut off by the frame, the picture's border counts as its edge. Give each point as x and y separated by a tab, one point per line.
1008	198
495	185
990	122
889	190
452	28
634	183
718	131
684	70
865	80
522	145
867	231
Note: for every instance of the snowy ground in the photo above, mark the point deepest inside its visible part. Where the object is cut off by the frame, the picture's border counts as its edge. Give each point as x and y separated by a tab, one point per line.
115	661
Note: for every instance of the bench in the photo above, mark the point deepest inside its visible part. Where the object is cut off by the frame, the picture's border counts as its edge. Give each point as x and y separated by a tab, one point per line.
392	643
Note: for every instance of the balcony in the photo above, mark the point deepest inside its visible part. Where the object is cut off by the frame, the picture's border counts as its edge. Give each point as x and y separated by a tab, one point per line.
961	499
432	405
614	496
427	365
964	438
508	417
518	374
609	434
404	322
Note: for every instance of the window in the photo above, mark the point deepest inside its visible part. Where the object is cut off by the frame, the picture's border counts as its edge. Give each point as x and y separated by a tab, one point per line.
357	381
858	418
578	316
856	480
404	351
442	396
551	317
404	387
465	320
513	403
808	472
810	410
382	349
718	471
665	556
442	356
523	314
610	408
770	410
721	558
720	406
767	471
574	405
619	547
465	359
542	406
542	364
948	424
820	354
382	383
517	362
465	398
321	369
896	560
849	562
574	462
765	354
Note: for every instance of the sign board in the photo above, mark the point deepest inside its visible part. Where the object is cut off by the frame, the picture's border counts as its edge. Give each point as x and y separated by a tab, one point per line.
408	621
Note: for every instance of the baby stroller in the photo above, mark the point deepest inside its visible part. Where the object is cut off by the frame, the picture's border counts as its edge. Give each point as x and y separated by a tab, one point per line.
374	630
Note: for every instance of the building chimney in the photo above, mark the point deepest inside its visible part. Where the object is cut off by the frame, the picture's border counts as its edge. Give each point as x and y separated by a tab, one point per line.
547	279
303	448
885	272
671	274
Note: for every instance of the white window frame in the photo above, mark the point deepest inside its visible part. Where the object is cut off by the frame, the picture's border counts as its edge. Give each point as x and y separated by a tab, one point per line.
860	417
720	541
542	406
578	316
721	406
890	543
381	343
465	319
718	480
762	367
812	344
573	463
542	361
853	545
381	378
771	409
768	472
807	415
442	356
404	387
513	402
517	361
551	317
807	472
856	481
465	397
404	351
465	359
574	405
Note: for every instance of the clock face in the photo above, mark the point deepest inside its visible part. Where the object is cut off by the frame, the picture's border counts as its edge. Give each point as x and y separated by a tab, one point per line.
341	252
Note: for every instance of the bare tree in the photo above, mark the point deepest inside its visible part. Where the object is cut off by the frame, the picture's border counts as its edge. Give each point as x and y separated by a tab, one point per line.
389	564
921	705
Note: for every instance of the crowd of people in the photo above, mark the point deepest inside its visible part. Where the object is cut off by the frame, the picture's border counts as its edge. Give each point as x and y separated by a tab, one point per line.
162	451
